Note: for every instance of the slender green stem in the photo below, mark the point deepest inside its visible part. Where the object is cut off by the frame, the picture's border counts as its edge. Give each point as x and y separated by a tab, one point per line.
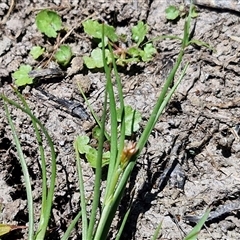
118	175
195	231
114	171
158	109
115	150
108	214
114	195
48	206
98	175
113	202
119	234
154	116
122	113
92	112
71	226
25	174
83	196
43	162
157	231
162	38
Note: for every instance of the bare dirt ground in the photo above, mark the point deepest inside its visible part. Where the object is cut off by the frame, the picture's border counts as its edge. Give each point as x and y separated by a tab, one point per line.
192	158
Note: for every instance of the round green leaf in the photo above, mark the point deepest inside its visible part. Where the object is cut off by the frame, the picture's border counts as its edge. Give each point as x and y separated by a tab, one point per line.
48	22
172	13
132	119
21	75
63	55
148	52
94	29
82	144
36	52
92	157
96	59
139	32
96	132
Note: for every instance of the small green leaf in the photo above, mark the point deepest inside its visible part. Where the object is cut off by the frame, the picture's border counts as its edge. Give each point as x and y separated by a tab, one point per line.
105	42
48	22
63	55
139	32
94	29
96	132
92	158
21	75
172	13
109	31
124	61
82	143
134	51
89	62
193	13
148	52
37	51
96	54
96	59
132	120
90	153
105	158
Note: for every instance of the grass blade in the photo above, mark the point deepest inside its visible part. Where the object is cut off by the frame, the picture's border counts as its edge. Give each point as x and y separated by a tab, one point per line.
195	231
71	226
43	162
155	113
98	174
47	205
25	174
157	231
82	193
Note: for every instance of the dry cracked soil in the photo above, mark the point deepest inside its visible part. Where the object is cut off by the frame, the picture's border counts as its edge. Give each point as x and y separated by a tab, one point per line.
191	160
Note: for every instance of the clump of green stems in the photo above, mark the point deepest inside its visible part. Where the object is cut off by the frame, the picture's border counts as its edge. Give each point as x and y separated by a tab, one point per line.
96	225
47	191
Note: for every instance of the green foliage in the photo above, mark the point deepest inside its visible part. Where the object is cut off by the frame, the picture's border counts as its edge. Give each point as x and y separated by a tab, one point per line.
63	55
96	59
132	119
139	32
48	22
193	12
90	152
134	52
96	132
48	182
193	235
173	12
94	29
99	209
37	51
148	51
83	146
92	157
21	75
